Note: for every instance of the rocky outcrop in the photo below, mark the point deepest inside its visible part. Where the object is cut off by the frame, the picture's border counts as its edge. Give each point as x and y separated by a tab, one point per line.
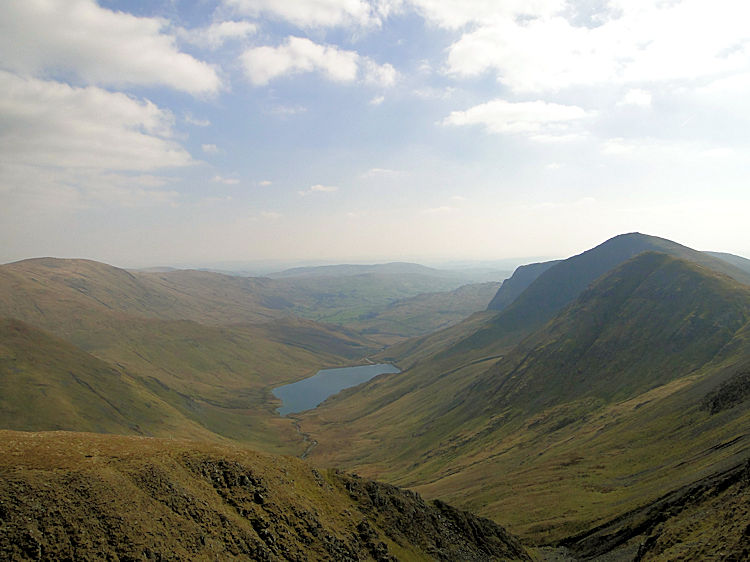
68	496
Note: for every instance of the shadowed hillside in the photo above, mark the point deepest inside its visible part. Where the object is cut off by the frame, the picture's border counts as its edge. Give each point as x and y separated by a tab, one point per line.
516	284
538	293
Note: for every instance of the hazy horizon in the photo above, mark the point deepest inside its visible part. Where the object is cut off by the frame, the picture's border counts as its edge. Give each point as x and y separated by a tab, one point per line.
336	131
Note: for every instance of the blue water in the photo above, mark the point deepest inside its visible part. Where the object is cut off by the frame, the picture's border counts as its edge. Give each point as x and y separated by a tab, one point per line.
308	393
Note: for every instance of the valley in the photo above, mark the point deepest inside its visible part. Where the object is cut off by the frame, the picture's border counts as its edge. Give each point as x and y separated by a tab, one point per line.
591	406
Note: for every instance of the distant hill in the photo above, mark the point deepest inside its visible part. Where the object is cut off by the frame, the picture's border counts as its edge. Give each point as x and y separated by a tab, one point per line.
74	496
737	261
348	270
425	313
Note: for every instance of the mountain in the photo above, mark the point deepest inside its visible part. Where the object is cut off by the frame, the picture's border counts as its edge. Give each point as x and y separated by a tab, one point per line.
85	496
516	284
597	412
646	322
546	295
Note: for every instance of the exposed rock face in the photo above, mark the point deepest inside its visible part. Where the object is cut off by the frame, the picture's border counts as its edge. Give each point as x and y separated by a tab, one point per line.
90	497
729	394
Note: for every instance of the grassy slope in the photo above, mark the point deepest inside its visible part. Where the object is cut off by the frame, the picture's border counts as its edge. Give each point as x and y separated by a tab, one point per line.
47	383
86	496
51	293
632	358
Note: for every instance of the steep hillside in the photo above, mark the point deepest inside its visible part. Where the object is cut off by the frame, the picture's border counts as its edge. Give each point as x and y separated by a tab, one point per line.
548	293
516	284
85	496
599	411
47	383
700	521
653	319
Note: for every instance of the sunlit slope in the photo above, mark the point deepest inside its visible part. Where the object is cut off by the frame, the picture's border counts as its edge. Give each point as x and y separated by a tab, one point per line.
221	377
85	496
47	383
597	412
51	292
216	378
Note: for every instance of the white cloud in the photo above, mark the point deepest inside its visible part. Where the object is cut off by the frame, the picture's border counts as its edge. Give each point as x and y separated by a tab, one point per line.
29	192
45	123
96	45
210	148
540	120
271	215
226	181
539	46
683	152
67	148
311	13
319	188
379	74
324	188
215	35
296	55
377	100
300	55
719	152
381	172
287	110
265	183
191	120
454	14
637	97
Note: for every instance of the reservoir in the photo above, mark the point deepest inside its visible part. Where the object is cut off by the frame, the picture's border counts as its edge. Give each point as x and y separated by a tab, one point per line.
308	393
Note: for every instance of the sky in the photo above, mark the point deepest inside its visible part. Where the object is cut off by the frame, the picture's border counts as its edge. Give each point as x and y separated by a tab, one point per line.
177	132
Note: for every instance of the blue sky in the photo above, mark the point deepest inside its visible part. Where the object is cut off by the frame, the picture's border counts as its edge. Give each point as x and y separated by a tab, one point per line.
194	132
